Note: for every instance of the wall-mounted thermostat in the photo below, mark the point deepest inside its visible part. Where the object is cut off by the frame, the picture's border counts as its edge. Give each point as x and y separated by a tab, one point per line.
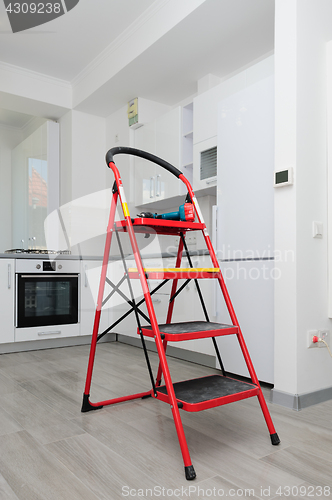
283	177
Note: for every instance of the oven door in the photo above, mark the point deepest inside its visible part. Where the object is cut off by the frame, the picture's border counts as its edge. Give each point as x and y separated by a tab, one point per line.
46	299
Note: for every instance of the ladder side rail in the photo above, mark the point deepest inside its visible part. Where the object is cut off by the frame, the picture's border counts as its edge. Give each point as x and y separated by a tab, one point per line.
154	323
233	317
100	294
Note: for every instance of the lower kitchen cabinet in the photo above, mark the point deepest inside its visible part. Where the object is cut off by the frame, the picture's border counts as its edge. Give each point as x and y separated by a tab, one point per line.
118	305
188	307
7	274
90	278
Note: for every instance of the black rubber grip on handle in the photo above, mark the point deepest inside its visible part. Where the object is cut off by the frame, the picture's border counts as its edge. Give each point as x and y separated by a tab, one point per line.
142	154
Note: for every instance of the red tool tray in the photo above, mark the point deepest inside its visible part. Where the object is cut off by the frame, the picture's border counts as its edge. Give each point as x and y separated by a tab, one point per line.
160	226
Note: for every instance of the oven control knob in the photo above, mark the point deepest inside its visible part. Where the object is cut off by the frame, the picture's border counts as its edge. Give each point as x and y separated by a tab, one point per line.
59	266
38	266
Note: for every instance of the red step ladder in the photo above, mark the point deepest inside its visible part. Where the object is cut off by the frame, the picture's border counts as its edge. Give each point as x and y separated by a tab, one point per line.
189	395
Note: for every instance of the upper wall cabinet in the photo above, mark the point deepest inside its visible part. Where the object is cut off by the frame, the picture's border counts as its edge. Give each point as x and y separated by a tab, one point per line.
205	164
205	121
162	138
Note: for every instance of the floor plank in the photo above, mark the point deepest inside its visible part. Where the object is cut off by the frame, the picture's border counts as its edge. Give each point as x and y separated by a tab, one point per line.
35	474
97	466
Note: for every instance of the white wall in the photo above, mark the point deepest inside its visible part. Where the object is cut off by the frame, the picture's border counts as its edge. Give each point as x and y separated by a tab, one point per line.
82	173
88	154
302	29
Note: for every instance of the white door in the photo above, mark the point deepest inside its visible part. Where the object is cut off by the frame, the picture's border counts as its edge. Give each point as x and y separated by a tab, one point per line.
250	286
145	181
245	239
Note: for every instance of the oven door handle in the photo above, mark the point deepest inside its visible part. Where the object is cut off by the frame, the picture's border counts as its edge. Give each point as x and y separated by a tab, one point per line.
49	276
58	332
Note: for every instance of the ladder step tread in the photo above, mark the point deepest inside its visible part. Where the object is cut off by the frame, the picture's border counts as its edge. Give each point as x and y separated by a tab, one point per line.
191	330
207	392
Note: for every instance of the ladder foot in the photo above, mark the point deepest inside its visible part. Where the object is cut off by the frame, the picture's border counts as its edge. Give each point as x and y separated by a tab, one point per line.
147	396
190	472
87	406
275	439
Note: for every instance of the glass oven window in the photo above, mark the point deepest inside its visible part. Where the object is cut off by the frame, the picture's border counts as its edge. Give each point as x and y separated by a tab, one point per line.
47	300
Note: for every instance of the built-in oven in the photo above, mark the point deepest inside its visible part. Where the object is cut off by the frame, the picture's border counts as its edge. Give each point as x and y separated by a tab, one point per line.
47	293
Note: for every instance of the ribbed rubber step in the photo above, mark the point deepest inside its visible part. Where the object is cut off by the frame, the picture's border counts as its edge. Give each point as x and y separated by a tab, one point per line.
207	392
189	330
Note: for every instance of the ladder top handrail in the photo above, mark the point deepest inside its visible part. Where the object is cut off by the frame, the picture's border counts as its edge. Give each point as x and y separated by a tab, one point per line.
142	154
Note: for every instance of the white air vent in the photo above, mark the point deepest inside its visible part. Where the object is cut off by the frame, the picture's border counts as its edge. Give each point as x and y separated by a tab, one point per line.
208	163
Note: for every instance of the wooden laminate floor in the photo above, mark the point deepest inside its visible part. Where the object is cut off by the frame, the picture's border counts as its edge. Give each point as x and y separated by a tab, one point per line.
49	450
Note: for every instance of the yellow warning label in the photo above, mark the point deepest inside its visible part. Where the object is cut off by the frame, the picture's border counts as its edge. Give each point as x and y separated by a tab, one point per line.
125	210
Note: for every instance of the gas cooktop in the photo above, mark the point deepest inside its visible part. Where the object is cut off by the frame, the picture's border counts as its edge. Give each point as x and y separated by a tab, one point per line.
40	251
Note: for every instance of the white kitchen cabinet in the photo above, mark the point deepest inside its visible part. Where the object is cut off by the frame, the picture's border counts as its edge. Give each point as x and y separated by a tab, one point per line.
118	305
205	129
188	306
161	137
205	117
187	142
206	106
205	165
90	277
7	274
145	139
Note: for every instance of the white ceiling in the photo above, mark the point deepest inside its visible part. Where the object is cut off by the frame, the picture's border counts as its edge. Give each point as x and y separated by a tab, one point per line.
218	37
63	47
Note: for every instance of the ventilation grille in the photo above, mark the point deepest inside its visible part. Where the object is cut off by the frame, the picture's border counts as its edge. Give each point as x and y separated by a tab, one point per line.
208	163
